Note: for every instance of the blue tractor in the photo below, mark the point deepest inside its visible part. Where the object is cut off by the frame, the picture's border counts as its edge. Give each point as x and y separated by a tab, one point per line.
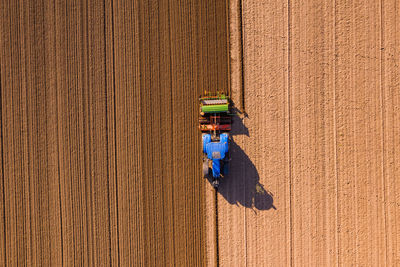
215	124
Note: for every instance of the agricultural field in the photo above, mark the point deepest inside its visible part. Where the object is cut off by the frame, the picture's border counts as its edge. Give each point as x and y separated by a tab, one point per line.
316	163
101	152
100	146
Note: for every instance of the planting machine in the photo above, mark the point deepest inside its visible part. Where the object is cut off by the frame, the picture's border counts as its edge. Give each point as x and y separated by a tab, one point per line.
215	124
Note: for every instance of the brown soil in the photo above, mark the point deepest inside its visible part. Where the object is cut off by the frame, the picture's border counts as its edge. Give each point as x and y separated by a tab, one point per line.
100	152
100	147
315	163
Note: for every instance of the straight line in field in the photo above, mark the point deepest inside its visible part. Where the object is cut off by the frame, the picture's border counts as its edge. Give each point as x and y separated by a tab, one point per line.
382	92
115	128
290	137
216	229
107	127
242	47
335	145
2	170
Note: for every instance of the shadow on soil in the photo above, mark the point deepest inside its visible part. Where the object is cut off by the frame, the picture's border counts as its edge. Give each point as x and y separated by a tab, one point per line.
241	185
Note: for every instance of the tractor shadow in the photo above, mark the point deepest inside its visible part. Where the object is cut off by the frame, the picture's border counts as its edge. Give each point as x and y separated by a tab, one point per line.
242	184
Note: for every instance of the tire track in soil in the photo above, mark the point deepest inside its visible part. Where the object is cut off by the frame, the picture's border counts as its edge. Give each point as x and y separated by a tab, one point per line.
111	131
3	240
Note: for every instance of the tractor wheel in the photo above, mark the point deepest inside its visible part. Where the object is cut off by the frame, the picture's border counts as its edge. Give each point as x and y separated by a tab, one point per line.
205	167
215	183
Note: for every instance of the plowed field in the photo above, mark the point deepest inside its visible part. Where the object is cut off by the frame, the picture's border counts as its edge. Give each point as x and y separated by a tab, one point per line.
315	169
100	147
100	152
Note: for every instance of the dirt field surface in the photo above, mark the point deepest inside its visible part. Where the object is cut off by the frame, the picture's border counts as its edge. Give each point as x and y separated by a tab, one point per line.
100	151
99	140
314	179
